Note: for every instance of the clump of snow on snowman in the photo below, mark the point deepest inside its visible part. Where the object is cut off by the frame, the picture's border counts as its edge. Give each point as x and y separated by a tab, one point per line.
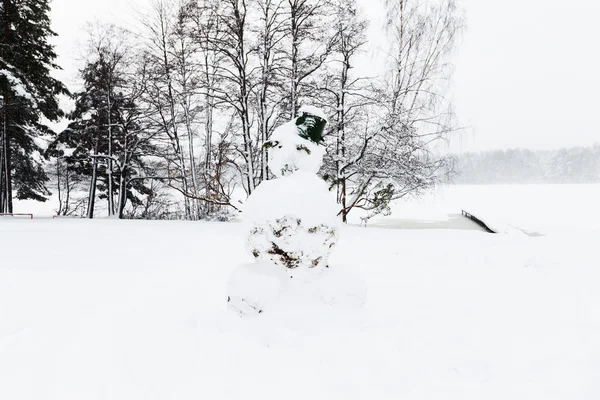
292	221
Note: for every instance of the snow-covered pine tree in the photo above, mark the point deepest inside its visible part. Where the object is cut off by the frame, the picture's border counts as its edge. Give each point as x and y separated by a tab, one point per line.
107	139
28	93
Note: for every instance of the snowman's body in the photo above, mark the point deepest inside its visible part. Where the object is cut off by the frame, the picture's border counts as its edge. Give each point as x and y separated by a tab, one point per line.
291	222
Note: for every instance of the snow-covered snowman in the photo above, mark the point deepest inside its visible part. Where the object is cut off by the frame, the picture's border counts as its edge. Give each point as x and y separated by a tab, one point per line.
291	222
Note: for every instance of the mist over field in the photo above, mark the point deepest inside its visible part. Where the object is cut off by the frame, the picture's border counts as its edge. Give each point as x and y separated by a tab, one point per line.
567	165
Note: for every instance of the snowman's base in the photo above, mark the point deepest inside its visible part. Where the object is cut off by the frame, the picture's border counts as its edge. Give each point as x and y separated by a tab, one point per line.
252	287
266	288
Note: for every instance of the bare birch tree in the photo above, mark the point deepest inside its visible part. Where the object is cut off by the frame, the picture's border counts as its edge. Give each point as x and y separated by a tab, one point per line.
67	187
187	78
346	96
309	45
412	116
160	90
236	73
208	32
271	30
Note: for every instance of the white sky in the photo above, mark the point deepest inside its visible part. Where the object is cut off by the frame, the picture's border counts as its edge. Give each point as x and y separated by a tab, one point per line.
527	71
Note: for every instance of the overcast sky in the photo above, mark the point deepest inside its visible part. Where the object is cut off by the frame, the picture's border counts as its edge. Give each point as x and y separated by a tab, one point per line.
527	71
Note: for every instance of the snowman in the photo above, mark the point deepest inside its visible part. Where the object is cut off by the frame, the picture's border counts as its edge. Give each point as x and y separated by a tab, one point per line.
291	222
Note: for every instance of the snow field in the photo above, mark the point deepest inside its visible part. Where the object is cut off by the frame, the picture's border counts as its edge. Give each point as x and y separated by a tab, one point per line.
511	209
450	314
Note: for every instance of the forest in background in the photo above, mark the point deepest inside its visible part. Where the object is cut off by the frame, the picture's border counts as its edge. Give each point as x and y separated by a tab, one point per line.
171	118
568	165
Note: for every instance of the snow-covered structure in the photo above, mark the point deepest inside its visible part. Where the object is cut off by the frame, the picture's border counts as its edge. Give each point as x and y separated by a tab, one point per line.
291	222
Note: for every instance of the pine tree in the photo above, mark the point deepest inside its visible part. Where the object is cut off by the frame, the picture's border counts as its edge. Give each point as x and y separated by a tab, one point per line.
84	136
107	139
27	94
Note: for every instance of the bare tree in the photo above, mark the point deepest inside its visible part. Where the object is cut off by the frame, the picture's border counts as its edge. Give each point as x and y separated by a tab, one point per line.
395	155
236	73
215	78
270	94
346	96
160	90
67	186
193	82
208	32
204	31
309	45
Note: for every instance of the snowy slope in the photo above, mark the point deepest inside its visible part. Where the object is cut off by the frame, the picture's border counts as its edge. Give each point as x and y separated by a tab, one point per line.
451	314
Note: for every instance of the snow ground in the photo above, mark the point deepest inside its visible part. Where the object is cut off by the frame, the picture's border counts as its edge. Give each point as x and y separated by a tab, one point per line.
451	314
536	209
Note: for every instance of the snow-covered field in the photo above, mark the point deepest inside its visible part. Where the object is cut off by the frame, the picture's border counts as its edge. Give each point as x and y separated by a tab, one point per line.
537	209
132	310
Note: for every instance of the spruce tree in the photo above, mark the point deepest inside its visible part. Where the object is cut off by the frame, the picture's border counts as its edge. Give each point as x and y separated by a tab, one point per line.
106	140
28	93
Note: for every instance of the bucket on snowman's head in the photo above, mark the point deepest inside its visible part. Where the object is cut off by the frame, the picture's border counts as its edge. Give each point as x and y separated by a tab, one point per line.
310	126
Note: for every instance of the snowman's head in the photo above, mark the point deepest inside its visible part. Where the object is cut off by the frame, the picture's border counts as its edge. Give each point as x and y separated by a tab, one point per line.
311	124
294	146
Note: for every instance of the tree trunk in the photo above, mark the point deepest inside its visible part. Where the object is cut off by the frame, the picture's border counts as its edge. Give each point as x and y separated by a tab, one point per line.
190	133
92	191
294	69
242	63
208	142
248	151
3	169
340	162
2	193
7	169
174	138
109	170
122	195
58	188
68	191
341	140
294	61
123	168
3	163
262	126
262	101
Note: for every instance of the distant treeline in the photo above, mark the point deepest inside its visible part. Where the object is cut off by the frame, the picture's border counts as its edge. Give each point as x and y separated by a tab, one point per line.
572	165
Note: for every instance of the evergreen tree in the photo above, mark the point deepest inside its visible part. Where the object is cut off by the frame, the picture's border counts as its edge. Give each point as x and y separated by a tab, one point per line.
27	94
107	140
